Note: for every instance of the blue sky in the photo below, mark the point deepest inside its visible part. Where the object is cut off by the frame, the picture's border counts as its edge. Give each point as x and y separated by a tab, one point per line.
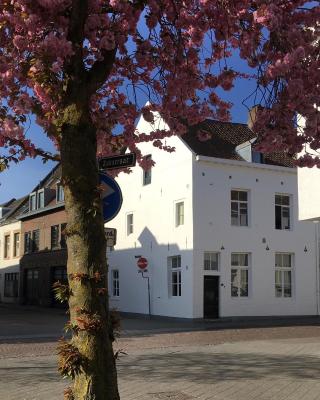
19	179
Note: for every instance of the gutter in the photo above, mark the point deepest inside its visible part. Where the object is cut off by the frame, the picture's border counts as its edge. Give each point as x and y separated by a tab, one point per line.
236	163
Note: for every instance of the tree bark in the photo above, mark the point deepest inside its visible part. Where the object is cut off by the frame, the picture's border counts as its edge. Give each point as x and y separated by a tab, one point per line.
87	264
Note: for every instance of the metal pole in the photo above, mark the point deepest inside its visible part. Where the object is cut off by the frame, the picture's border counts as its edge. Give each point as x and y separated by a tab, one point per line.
149	297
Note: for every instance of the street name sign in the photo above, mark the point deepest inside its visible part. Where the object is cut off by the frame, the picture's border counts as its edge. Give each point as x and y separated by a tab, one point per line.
111	236
111	197
114	162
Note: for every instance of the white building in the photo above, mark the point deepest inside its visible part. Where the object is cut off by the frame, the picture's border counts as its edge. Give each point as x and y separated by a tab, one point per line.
219	227
10	245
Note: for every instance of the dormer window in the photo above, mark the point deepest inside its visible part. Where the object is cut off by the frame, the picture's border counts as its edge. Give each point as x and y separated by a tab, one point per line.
32	202
60	193
40	199
257	157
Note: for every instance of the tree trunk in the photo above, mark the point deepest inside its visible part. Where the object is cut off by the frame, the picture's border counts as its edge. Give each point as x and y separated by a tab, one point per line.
95	377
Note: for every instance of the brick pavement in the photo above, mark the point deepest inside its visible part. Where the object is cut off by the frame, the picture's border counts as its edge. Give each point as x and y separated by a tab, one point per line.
269	369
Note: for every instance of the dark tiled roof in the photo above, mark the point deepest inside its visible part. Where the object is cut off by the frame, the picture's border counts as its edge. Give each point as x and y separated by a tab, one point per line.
16	206
225	137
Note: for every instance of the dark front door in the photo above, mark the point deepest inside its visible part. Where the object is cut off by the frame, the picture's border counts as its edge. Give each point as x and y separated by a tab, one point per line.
211	297
32	286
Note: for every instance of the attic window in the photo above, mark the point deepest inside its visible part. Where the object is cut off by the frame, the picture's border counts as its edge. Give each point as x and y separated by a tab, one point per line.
32	202
59	193
257	157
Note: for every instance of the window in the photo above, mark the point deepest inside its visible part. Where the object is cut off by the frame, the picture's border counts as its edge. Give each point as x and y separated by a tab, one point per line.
40	199
63	243
283	274
147	172
257	157
115	283
32	202
174	264
239	274
16	244
11	283
211	261
6	246
282	211
180	213
32	241
239	208
59	193
35	240
129	224
27	242
55	237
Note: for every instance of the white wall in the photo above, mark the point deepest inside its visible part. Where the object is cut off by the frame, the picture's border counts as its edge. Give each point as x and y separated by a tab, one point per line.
155	235
11	264
213	182
308	186
309	193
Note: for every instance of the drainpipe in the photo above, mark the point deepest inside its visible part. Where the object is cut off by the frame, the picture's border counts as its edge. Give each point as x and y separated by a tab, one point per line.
316	226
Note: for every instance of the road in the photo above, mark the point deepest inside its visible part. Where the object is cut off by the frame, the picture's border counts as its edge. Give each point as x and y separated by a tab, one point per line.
168	361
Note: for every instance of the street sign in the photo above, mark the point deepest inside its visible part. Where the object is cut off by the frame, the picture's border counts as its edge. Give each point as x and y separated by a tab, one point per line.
114	162
142	263
111	197
111	236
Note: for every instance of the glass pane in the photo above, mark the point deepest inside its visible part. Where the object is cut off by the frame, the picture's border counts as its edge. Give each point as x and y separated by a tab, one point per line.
244	283
278	283
243	259
234	283
234	195
278	224
243	196
286	260
278	199
234	259
278	260
206	261
285	218
174	278
285	200
287	283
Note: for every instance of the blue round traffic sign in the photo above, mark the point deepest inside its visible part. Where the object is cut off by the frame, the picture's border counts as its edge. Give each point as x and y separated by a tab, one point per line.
111	197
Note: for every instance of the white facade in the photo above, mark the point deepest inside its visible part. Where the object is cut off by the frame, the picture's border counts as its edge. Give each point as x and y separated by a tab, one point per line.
203	185
9	261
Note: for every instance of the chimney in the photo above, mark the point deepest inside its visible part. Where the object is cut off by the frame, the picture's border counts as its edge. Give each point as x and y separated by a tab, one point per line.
252	115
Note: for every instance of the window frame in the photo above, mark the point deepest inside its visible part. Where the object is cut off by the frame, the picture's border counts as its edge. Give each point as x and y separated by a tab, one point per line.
280	206
40	193
57	246
239	206
115	283
210	253
6	246
59	193
16	248
179	217
32	196
282	270
175	270
13	290
147	173
239	269
129	224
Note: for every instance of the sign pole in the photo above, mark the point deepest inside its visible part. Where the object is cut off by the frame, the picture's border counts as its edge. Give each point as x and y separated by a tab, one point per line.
149	299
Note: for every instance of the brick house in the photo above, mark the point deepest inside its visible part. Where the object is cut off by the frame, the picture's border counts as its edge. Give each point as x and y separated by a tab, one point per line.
44	250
